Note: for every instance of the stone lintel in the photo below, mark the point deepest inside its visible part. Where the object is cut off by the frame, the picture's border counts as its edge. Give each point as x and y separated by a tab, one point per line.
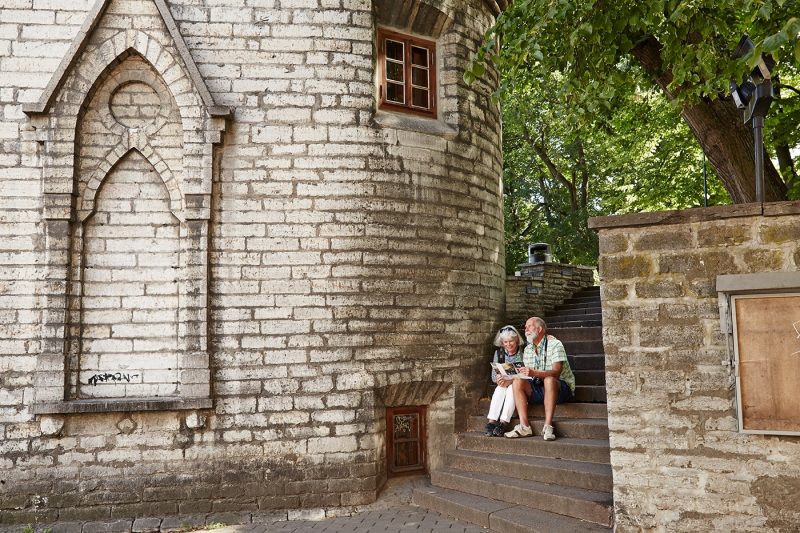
122	405
762	281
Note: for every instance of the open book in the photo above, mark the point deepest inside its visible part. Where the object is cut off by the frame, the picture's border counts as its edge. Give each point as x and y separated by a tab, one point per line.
509	369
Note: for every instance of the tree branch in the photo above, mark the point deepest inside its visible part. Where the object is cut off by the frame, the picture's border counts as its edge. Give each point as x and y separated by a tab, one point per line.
785	86
540	151
584	174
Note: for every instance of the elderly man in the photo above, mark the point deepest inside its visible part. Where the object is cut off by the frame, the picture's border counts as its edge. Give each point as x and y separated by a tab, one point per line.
550	379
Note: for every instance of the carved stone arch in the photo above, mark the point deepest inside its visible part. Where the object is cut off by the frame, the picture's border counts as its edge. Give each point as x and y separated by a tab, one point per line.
86	202
413	16
168	67
119	80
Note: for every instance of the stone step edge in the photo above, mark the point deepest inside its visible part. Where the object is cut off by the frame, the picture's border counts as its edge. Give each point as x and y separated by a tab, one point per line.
577	474
570	448
522	519
494	515
582	504
567	410
591	426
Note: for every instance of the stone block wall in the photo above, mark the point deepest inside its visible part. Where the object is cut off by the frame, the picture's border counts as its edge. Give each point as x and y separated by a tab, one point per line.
679	462
540	287
286	263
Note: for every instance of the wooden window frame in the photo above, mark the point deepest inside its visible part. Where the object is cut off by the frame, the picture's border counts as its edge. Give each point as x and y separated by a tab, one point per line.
422	441
408	42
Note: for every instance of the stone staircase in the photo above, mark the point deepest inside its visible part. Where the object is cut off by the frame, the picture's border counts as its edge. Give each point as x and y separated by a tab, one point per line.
527	484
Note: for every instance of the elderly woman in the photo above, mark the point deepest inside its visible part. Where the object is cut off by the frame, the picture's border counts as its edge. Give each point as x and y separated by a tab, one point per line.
509	350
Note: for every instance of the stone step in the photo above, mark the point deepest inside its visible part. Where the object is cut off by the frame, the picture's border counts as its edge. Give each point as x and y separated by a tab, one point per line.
593	288
583	298
581	347
590	393
522	519
572	304
570	322
573	409
496	515
592	506
591	361
559	312
590	377
588	450
579	428
576	334
590	476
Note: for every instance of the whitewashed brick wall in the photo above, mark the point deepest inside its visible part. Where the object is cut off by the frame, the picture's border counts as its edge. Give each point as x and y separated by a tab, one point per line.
346	256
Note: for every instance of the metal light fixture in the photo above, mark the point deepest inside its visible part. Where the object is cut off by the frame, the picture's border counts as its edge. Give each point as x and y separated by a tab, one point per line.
754	95
539	252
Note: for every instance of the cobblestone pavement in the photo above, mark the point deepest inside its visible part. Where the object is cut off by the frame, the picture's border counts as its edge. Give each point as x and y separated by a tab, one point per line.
400	519
391	513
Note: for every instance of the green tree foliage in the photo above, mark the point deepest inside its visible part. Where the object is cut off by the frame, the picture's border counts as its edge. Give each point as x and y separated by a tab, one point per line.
639	158
684	47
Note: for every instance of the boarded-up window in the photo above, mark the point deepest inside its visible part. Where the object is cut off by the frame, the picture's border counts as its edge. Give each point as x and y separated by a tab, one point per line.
767	347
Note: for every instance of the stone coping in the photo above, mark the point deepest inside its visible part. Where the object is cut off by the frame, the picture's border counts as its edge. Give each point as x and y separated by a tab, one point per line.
700	214
107	405
555	265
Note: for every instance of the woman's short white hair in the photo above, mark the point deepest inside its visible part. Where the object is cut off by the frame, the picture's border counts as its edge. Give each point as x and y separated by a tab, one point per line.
506	333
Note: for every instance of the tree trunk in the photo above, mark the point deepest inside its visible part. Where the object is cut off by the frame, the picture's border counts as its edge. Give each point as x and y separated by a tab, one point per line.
718	126
786	164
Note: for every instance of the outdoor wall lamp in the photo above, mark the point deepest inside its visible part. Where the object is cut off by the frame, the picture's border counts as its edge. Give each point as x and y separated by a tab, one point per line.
754	96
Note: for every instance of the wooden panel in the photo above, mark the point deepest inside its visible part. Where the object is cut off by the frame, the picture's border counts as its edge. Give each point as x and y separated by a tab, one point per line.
406	439
768	346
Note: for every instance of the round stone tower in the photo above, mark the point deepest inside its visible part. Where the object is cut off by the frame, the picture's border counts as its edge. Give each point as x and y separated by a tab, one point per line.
272	239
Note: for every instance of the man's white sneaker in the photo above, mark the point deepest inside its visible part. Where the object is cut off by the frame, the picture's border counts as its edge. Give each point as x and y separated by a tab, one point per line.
519	431
548	433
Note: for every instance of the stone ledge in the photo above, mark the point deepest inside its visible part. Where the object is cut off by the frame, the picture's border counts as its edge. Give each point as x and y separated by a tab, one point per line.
523	268
430	126
700	214
781	208
121	405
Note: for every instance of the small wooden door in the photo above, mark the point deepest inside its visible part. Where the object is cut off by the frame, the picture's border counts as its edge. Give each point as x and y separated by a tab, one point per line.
406	439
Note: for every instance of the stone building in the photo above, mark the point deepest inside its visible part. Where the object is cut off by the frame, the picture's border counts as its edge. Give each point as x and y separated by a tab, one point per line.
233	234
683	455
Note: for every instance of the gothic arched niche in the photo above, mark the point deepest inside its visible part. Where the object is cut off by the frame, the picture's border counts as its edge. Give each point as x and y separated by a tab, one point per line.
130	107
129	288
125	102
